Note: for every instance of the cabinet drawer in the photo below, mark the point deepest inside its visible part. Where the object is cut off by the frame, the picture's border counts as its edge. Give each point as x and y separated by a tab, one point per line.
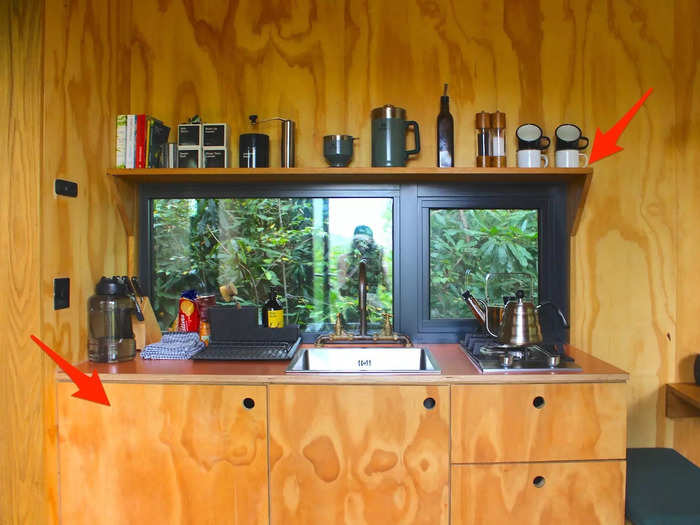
502	423
587	492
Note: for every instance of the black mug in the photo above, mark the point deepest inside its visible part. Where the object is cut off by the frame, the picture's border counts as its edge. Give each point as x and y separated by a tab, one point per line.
253	150
569	137
697	369
530	137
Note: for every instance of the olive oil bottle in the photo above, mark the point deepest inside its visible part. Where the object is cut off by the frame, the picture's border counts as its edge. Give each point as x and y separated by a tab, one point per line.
272	312
445	134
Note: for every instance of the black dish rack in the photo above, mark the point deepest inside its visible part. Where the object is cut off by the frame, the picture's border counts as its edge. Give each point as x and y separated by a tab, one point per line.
248	350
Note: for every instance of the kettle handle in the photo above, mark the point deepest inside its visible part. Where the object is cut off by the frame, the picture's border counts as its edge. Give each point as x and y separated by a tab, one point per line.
564	322
416	132
487	323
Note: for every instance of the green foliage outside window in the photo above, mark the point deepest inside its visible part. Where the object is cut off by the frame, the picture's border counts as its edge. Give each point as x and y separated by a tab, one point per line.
287	243
467	244
258	244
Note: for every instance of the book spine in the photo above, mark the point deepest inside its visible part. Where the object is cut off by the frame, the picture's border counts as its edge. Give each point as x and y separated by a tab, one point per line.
130	141
121	141
149	131
141	141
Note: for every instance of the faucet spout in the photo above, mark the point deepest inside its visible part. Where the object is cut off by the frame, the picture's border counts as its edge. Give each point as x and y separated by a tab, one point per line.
362	302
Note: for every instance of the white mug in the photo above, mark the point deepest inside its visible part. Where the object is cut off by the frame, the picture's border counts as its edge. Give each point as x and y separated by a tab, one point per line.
569	158
531	158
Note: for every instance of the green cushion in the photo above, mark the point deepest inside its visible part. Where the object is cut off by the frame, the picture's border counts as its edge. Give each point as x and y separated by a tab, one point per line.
663	488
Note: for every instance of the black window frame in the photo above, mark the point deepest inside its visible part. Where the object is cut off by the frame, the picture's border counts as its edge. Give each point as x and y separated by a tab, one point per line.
411	205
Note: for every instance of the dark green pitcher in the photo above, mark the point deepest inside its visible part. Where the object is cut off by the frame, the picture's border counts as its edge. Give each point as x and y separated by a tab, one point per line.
389	127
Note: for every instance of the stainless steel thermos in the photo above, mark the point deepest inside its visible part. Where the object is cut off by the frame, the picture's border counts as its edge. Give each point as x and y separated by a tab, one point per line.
389	126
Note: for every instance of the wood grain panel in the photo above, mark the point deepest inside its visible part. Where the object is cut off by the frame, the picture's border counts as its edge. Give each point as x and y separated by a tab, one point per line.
87	86
23	486
687	152
500	423
327	64
358	454
591	492
623	276
164	454
86	71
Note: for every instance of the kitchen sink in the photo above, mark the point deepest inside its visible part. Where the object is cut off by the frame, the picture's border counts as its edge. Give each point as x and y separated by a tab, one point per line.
382	360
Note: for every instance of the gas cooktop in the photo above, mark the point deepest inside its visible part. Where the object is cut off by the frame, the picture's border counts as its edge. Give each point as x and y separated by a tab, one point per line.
490	357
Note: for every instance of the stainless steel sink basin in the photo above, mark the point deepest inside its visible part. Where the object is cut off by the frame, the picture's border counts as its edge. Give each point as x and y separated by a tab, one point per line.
383	360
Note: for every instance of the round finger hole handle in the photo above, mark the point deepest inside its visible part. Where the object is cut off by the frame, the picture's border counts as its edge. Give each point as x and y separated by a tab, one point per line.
429	403
538	402
538	482
248	402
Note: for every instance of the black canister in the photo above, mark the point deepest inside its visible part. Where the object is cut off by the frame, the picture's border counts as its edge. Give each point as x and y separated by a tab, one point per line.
697	369
110	337
253	150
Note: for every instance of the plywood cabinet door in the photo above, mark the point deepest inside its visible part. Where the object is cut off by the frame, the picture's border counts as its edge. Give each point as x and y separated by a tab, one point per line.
585	492
164	454
359	454
538	422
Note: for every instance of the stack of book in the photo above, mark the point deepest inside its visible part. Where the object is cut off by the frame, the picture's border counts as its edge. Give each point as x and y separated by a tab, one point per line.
141	142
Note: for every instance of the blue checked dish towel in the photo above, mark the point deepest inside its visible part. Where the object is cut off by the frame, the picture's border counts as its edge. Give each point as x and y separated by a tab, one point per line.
174	345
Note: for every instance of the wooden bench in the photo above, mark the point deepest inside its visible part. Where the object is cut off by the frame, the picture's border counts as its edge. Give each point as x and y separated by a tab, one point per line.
663	488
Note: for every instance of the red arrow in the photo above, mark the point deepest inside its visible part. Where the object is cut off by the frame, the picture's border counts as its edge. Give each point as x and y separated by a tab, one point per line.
605	144
89	387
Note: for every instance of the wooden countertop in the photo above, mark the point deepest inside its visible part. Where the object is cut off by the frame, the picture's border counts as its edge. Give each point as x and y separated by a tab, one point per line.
456	368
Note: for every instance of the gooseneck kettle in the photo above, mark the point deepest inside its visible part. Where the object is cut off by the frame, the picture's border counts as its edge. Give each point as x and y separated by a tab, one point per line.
520	325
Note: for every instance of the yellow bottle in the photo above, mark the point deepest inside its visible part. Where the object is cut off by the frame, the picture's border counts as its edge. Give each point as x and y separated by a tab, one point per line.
272	312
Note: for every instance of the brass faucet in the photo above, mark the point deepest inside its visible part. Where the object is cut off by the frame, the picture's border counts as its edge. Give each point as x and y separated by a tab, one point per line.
386	335
363	297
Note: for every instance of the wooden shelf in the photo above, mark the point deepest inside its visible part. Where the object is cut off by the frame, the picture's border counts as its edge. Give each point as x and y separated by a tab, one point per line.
576	179
682	400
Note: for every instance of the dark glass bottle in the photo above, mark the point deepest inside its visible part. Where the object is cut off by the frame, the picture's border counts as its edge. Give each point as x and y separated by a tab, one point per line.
445	134
272	312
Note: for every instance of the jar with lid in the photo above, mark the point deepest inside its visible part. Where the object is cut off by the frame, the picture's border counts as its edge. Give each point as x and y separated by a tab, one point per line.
110	337
498	140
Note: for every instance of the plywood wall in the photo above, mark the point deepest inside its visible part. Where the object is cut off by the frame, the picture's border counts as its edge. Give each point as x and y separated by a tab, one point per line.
22	498
69	67
687	142
86	84
63	78
327	64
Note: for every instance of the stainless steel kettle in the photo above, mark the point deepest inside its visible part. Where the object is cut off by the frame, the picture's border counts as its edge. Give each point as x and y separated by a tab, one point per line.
520	325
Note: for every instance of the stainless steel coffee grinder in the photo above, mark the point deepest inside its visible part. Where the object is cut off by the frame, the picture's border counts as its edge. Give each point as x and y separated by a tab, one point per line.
286	139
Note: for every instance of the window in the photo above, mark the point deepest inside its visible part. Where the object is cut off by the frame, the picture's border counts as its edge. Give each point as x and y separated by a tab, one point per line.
308	249
425	244
472	244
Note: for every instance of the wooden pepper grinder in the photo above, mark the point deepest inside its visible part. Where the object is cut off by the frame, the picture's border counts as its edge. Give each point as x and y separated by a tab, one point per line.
498	140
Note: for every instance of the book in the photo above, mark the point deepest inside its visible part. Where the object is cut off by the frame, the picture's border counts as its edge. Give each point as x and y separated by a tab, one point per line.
140	161
130	141
159	133
121	141
147	139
